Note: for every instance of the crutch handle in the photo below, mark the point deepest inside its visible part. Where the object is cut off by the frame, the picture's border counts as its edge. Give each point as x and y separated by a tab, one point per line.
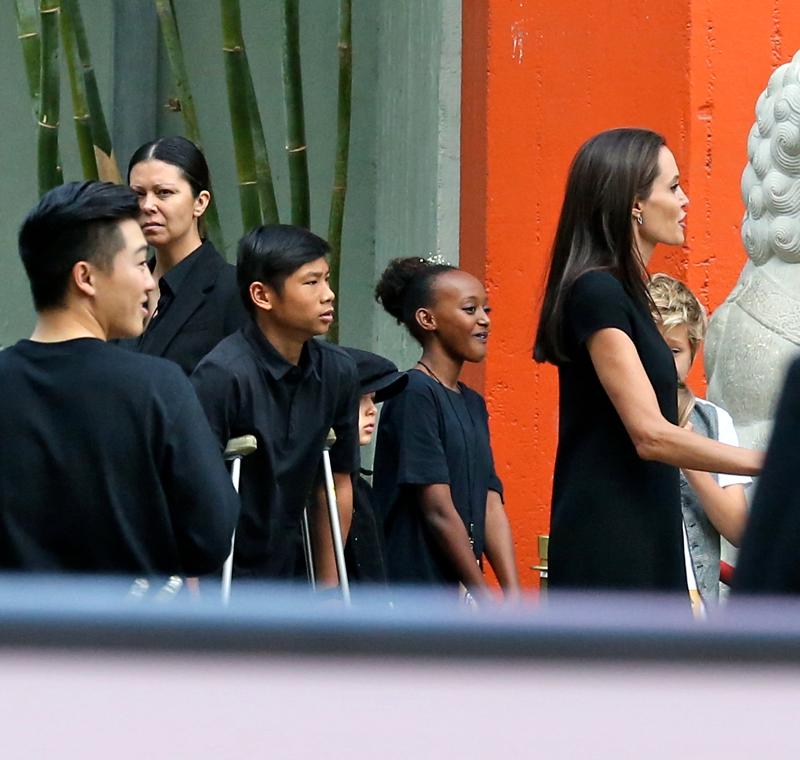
234	451
330	439
240	447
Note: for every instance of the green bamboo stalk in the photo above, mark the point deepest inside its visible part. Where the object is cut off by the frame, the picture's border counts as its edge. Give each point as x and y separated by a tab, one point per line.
295	119
264	183
28	35
172	42
106	162
233	54
49	171
80	109
168	21
339	192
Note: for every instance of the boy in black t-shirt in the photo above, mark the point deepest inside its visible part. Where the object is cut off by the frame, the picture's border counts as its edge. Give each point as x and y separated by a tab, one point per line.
107	463
271	379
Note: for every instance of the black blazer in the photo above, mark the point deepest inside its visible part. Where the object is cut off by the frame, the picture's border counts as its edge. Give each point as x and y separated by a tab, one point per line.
206	308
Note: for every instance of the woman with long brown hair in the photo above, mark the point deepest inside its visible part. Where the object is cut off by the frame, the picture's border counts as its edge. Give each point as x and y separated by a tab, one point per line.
616	515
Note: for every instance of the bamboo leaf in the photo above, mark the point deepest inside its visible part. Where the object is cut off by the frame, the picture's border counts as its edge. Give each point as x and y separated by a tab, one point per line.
49	170
264	183
106	162
236	77
80	109
168	22
295	118
339	192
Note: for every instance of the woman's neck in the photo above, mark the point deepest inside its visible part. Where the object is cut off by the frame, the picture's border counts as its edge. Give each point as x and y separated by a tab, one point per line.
168	256
441	366
644	251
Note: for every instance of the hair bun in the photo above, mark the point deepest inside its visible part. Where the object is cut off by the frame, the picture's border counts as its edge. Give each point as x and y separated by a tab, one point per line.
393	283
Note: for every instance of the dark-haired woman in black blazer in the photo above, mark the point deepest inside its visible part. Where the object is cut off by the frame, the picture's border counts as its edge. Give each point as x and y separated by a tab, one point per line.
197	301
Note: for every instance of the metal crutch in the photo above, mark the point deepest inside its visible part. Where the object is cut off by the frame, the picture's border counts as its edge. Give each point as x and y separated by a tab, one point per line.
308	552
333	514
236	449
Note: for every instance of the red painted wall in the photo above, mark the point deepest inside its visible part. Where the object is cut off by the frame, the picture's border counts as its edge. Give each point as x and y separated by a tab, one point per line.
539	79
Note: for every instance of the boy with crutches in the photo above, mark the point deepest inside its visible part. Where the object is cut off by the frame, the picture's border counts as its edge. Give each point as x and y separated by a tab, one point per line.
273	380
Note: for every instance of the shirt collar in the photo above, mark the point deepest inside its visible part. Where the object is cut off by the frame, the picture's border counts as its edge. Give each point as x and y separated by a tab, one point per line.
275	363
178	274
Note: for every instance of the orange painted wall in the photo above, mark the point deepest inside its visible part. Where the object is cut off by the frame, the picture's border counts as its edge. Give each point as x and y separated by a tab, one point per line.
540	78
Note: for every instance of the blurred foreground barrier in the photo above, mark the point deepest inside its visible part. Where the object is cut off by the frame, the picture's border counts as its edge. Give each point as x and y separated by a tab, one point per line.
87	673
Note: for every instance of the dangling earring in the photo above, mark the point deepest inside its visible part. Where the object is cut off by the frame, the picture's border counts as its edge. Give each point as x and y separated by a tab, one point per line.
639	219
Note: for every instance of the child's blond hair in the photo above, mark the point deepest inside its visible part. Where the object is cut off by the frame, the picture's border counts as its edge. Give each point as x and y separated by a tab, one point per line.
677	306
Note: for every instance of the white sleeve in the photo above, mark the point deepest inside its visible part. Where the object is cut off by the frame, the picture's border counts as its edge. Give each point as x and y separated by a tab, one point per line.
726	433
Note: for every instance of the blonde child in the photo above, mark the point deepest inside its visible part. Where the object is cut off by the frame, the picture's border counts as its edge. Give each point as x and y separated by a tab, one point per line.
713	505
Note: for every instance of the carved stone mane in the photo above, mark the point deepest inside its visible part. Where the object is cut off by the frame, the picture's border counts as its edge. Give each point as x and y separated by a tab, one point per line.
756	332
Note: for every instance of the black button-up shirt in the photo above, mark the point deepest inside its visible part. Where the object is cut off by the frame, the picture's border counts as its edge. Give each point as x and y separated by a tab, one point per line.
247	387
169	284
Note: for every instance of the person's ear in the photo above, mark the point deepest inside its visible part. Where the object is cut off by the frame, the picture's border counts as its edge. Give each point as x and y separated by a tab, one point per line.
425	319
201	203
636	212
83	278
261	295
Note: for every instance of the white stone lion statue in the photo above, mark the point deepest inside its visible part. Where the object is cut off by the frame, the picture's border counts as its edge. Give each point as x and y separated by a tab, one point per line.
755	333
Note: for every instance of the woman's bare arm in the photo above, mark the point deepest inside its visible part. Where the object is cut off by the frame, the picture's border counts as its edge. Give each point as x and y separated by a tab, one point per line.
624	379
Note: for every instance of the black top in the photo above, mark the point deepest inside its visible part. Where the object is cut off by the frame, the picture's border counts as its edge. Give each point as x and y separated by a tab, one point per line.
247	387
430	434
107	464
616	519
198	305
769	560
364	551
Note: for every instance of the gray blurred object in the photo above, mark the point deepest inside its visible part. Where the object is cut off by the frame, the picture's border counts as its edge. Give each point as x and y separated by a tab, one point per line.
755	333
88	675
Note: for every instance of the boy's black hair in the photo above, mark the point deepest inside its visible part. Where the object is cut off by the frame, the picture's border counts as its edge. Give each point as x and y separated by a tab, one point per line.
273	252
78	221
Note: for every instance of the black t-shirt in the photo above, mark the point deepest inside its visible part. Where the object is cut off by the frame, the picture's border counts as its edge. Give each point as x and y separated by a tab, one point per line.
430	434
247	387
107	464
364	551
769	560
616	519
